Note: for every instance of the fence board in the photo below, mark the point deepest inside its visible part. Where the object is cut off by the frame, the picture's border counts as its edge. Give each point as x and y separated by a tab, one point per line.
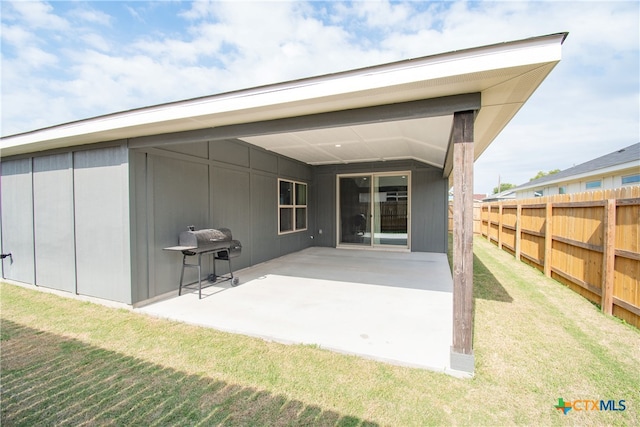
592	242
627	231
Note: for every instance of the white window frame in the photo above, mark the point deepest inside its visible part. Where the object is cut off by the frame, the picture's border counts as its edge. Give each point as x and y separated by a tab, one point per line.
294	206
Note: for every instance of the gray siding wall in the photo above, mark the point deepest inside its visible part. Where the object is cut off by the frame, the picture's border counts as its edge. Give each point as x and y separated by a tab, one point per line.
95	221
65	219
17	220
209	184
428	202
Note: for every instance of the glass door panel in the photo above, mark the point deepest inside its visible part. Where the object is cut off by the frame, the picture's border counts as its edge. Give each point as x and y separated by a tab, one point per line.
390	210
355	210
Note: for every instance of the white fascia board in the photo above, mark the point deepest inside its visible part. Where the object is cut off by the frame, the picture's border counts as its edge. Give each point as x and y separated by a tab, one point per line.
313	90
598	173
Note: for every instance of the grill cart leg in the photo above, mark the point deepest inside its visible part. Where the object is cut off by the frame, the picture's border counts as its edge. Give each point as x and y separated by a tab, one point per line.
184	263
196	266
199	276
215	275
234	280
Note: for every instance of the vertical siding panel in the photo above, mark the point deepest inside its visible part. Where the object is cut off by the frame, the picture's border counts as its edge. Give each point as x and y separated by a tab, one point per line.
54	222
264	220
17	220
180	192
101	192
230	208
139	226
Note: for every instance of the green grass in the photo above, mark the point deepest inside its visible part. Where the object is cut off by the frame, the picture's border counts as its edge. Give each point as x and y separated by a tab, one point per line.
66	362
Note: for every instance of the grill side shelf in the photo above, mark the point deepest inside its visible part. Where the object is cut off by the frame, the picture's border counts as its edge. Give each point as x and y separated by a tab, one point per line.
179	248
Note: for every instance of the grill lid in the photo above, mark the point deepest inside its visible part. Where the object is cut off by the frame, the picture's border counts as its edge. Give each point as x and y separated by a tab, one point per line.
194	241
199	239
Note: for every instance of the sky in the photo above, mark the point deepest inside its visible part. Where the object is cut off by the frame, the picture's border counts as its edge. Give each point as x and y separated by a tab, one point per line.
70	60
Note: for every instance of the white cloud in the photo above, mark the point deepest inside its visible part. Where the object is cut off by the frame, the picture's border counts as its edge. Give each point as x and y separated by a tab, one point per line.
37	15
86	14
134	13
16	36
54	72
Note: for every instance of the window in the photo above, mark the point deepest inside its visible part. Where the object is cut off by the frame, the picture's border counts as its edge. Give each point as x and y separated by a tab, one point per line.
631	179
292	206
593	184
562	190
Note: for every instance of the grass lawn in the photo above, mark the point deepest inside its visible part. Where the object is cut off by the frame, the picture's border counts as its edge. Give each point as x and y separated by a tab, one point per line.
66	362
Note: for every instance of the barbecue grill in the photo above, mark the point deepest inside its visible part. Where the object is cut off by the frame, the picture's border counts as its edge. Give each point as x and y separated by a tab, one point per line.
218	243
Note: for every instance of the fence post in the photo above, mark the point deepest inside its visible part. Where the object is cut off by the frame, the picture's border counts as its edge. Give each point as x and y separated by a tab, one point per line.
488	222
500	226
518	228
608	256
548	239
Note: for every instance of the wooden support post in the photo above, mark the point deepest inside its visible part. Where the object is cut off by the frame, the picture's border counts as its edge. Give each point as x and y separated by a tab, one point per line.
608	256
463	155
518	230
548	239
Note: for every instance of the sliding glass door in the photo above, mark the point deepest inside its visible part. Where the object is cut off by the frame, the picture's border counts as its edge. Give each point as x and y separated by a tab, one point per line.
374	210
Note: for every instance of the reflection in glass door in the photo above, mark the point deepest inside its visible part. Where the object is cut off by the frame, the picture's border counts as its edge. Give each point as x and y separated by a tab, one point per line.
355	210
390	210
374	210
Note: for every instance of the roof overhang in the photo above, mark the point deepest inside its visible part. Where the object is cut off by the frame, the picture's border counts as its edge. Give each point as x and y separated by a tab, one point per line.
324	119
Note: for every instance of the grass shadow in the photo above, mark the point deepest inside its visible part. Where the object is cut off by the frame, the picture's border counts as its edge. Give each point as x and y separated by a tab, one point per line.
485	284
53	380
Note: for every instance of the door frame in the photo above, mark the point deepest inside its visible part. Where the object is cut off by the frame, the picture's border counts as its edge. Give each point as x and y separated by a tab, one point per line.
372	245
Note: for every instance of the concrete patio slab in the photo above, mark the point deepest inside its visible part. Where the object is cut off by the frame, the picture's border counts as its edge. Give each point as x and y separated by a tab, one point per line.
388	306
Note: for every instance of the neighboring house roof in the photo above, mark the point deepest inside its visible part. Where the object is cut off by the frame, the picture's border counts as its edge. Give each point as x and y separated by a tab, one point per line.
402	110
505	195
624	158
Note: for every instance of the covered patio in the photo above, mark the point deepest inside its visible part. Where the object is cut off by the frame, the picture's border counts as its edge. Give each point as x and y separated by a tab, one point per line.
284	166
389	306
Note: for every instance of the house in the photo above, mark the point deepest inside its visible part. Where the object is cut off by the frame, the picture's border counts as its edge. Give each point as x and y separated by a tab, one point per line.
88	206
613	170
505	195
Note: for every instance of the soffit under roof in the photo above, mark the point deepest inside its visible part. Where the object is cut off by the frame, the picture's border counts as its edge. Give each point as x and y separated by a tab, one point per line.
426	139
505	75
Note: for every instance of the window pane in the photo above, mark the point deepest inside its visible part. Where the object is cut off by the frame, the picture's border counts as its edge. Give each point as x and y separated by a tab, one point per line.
286	219
301	194
630	179
301	218
593	184
286	188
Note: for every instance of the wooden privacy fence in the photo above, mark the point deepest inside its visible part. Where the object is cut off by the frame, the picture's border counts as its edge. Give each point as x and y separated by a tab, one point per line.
588	241
476	217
